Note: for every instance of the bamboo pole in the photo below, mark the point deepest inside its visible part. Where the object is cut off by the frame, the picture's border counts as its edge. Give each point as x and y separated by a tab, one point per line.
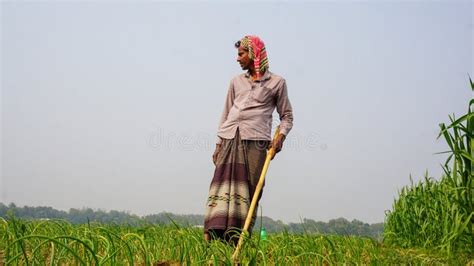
258	189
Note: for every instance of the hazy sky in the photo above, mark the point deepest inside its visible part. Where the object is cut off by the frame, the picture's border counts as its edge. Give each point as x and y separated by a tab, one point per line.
115	105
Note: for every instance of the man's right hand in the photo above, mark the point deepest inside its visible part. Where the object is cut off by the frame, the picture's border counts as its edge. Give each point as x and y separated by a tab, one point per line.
216	153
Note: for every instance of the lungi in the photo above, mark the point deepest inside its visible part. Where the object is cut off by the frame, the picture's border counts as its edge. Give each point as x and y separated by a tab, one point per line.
238	168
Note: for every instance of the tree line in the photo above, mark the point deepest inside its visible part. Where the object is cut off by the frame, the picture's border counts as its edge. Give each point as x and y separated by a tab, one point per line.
339	226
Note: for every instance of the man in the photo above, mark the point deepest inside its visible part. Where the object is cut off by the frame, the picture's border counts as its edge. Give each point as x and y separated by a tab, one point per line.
244	135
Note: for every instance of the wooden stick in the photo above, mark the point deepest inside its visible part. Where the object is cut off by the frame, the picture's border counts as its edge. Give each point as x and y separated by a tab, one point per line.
258	189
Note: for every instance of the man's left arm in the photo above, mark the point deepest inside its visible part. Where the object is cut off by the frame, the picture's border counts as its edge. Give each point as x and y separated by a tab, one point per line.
285	111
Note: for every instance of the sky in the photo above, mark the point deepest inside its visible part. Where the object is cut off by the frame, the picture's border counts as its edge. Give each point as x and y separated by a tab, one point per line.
115	105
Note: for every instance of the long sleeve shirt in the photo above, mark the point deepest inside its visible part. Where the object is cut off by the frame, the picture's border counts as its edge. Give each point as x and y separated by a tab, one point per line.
249	106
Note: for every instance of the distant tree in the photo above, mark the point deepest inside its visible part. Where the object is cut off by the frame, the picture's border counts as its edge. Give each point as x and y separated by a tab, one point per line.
340	226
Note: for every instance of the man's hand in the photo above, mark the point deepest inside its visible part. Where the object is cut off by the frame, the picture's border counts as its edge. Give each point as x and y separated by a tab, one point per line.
277	144
216	152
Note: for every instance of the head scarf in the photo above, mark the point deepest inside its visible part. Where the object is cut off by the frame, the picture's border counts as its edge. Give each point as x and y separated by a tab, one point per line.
257	52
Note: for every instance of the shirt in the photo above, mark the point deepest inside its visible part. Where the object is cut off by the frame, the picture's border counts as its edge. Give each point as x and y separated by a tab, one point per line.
249	106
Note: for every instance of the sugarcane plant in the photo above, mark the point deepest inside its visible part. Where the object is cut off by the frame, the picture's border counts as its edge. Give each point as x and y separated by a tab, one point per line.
459	135
439	213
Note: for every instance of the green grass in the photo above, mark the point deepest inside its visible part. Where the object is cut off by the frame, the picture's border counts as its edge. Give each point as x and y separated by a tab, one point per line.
439	214
54	242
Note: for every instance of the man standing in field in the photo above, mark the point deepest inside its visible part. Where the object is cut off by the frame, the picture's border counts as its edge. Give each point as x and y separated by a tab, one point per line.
244	135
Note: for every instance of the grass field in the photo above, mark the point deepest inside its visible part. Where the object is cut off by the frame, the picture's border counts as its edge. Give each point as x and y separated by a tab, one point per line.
56	242
431	222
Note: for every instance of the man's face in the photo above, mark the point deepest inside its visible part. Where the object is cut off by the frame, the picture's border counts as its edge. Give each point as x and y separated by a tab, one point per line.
244	59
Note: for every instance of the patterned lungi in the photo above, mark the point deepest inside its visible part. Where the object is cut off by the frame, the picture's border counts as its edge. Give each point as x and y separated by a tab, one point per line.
238	168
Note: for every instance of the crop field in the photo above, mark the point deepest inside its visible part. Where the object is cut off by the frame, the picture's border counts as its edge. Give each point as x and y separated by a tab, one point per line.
57	242
431	222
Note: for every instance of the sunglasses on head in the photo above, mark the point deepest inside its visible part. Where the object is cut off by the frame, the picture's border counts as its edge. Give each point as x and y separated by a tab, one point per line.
237	44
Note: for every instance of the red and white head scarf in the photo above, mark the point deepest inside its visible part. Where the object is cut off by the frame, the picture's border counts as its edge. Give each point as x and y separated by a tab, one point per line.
257	52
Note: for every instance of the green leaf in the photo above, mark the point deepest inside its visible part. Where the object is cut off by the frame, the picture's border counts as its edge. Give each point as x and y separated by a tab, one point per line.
447	136
467	155
443	152
472	84
457	122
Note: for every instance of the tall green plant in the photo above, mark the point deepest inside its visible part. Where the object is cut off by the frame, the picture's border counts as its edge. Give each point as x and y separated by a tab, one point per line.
459	135
440	213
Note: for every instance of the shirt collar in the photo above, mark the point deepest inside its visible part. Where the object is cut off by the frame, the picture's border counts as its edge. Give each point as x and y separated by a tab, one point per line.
265	76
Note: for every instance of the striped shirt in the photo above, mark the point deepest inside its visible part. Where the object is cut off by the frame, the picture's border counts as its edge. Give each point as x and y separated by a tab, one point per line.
249	106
